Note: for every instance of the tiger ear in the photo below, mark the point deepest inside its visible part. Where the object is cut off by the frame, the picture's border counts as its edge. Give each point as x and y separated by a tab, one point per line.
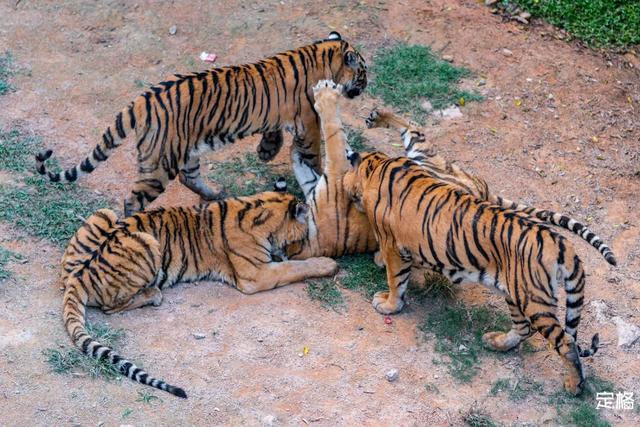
350	59
334	35
355	159
300	213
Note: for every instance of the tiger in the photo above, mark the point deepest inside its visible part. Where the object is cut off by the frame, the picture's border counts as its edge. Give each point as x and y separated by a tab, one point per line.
178	120
422	152
425	222
122	264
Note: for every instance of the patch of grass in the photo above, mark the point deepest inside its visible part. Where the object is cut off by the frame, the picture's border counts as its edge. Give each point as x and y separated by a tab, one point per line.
362	274
458	331
248	175
477	418
517	389
6	71
611	23
356	139
17	150
435	286
406	75
7	256
127	413
143	84
41	208
147	397
581	411
326	292
64	362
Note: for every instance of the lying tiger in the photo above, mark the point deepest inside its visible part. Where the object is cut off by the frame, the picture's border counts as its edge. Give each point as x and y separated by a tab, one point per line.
120	265
177	120
422	221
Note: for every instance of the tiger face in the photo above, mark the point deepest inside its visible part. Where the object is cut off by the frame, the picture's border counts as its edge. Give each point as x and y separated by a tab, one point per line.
352	74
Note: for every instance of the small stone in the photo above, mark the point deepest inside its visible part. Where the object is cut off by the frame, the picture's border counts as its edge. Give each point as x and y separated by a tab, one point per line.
448	58
392	375
628	333
506	52
269	420
521	20
199	335
482	82
525	15
173	30
426	106
452	112
462	348
490	2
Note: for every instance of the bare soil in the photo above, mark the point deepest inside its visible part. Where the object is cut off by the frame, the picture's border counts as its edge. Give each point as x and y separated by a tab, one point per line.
571	144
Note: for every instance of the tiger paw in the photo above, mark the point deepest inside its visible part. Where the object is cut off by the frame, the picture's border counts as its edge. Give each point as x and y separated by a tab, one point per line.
270	145
382	304
501	341
373	120
326	94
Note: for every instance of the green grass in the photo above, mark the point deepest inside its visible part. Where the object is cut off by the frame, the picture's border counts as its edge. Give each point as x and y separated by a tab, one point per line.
477	418
6	71
71	360
458	332
362	274
435	286
517	389
581	411
127	413
41	208
326	292
147	397
248	175
7	256
405	75
609	23
356	139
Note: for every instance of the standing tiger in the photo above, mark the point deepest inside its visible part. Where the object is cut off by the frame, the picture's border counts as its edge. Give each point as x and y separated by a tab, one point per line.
423	153
422	221
177	120
120	265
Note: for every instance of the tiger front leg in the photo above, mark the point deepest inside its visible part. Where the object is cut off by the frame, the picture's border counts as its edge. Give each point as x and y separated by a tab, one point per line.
327	95
398	273
147	296
190	177
276	274
307	142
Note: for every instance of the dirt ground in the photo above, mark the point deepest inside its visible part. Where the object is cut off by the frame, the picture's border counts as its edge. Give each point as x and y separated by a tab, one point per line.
572	144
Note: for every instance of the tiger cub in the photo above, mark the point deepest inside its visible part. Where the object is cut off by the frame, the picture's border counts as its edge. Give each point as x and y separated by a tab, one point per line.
177	120
424	153
120	265
420	220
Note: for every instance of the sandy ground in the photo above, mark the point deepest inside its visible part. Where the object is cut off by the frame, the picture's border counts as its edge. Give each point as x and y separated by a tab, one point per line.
572	145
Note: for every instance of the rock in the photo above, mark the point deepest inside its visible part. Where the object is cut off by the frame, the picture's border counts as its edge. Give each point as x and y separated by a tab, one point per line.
462	348
452	112
199	335
482	82
490	2
448	58
525	15
392	375
269	420
602	310
628	333
426	106
506	52
173	30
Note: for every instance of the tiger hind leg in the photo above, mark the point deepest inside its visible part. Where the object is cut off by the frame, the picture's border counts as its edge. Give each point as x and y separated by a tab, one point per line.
145	190
398	273
520	330
270	145
190	177
147	296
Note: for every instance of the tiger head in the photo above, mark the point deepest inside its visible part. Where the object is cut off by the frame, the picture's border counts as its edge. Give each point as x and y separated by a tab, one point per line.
362	166
348	68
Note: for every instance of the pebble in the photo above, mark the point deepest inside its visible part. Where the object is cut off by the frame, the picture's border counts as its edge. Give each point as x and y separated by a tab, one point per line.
426	106
490	2
199	335
506	52
452	112
392	375
482	82
628	333
173	30
448	58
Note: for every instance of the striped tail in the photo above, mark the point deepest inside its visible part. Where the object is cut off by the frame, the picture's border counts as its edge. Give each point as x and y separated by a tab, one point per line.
75	300
111	139
560	220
